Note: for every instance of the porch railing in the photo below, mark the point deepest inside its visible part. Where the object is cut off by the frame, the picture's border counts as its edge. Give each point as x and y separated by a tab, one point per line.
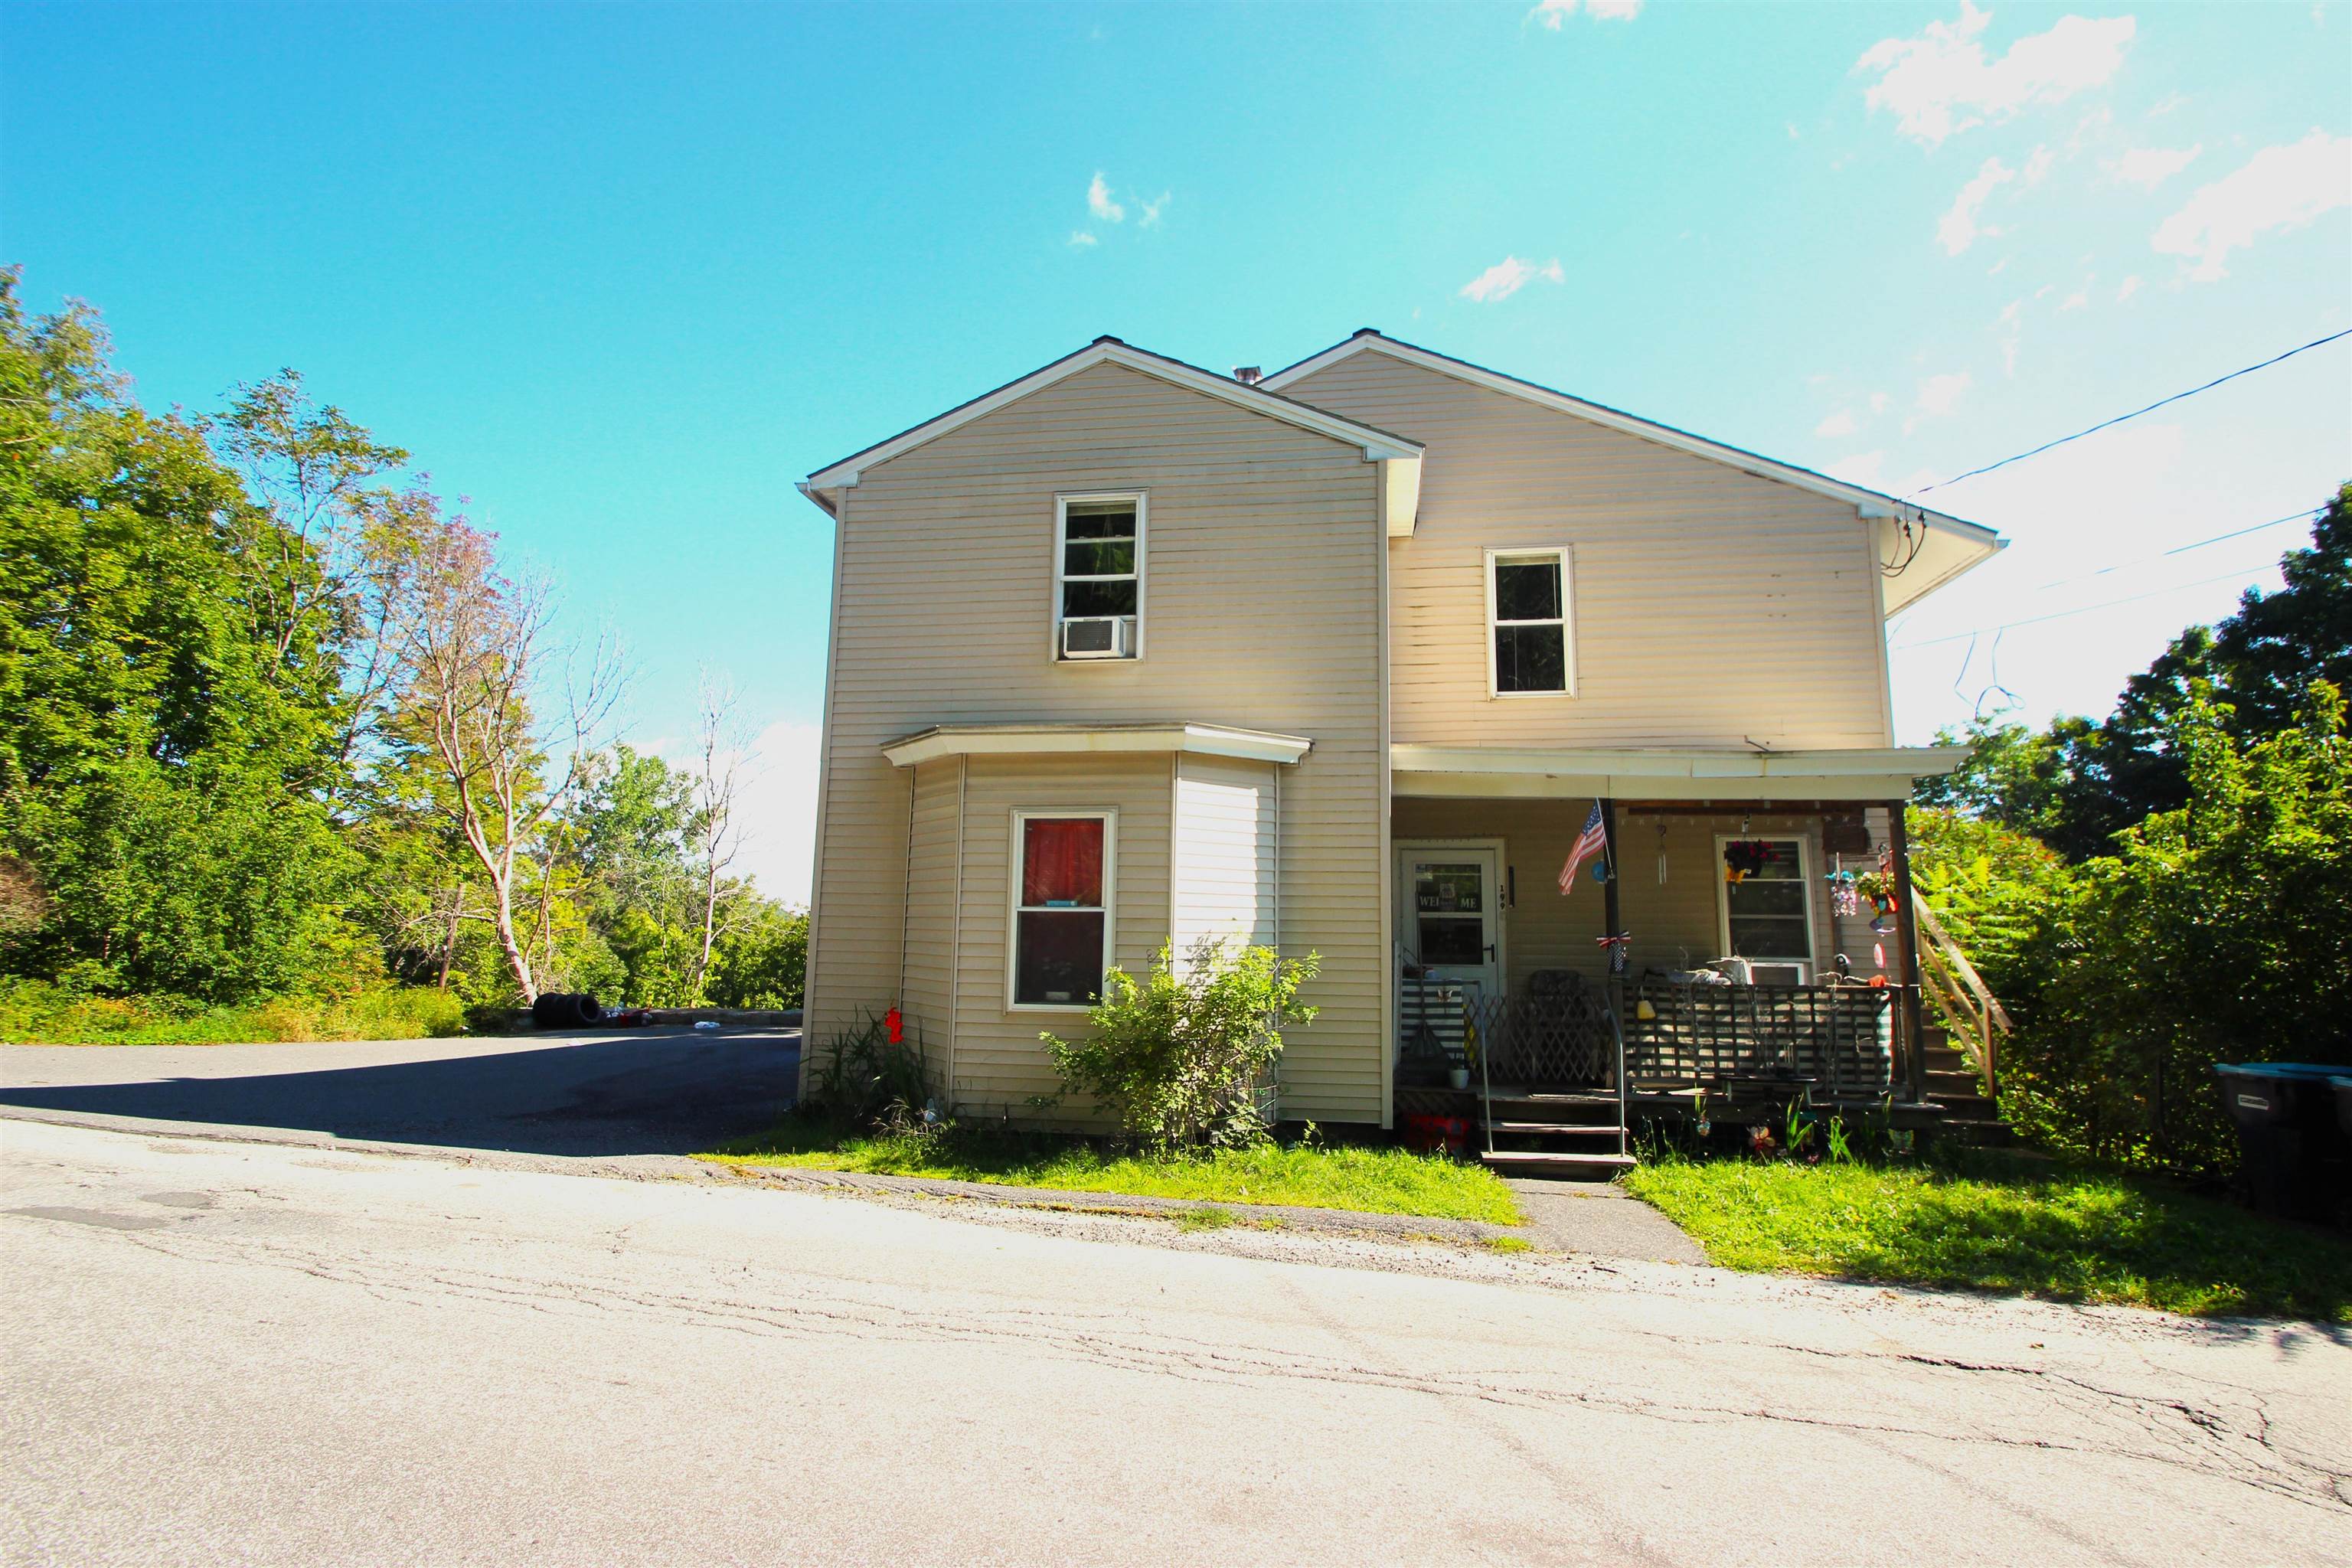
1979	1021
1840	1041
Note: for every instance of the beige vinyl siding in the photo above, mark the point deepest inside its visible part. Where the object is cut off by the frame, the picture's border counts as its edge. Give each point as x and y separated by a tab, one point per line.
1224	852
1672	922
934	870
1262	569
1710	606
999	1061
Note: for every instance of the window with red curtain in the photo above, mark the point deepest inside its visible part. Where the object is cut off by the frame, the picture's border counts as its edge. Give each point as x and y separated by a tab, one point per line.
1059	925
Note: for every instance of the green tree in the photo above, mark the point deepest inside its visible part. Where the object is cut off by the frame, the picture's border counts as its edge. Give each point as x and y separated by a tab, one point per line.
158	738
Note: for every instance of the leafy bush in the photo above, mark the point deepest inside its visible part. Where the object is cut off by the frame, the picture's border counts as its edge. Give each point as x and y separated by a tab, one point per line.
36	1012
1179	1058
2217	932
858	1077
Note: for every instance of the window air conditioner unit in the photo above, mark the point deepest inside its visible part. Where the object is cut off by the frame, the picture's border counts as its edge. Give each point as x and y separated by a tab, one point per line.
1776	974
1098	637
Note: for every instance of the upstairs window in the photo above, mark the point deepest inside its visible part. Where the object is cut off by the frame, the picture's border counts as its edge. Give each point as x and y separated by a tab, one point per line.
1063	863
1530	649
1098	577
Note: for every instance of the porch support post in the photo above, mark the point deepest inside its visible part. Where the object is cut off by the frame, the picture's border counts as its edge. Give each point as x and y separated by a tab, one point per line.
1612	987
1907	932
1609	888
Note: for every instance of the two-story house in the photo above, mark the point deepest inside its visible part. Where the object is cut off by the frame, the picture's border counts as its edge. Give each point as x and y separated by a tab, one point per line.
1343	659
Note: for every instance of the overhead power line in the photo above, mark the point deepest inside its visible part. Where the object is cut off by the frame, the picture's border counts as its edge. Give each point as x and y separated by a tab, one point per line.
2303	516
2082	609
2107	424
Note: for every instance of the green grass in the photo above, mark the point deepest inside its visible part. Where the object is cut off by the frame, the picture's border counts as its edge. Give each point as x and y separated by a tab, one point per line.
1203	1219
1991	1220
32	1013
1375	1181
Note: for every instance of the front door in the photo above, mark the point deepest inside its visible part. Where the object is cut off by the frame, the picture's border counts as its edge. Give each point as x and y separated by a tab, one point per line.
1452	922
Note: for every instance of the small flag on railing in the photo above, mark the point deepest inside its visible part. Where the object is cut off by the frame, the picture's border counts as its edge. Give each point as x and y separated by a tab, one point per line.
1593	840
1615	947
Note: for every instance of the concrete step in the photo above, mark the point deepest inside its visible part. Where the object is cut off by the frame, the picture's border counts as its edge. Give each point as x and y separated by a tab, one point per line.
1557	1128
1545	1163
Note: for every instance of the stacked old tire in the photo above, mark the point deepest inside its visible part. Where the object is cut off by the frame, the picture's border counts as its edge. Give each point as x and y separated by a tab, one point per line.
566	1010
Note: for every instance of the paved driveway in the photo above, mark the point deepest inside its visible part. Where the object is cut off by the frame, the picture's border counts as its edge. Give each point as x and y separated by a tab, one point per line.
640	1091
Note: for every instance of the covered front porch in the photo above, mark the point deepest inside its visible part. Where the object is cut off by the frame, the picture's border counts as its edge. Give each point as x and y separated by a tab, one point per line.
1737	925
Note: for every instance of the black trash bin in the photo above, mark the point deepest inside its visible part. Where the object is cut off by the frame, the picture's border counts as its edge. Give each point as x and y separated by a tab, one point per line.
2293	1138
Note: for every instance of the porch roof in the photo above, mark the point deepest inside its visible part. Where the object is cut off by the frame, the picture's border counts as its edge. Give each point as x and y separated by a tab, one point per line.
1034	740
1856	774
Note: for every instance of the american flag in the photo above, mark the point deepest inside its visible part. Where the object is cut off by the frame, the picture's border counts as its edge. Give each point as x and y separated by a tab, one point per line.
1593	840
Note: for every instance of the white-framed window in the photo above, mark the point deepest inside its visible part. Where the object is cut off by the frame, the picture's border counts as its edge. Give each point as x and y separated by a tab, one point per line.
1530	623
1767	915
1064	871
1099	576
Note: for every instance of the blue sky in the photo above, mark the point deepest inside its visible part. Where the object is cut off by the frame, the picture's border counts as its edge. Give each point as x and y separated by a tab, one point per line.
621	274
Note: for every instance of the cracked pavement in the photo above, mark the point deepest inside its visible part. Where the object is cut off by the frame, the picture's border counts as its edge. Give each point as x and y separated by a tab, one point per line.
218	1350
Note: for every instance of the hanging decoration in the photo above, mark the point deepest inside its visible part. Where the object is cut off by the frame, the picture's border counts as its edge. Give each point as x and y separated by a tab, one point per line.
1845	893
1662	854
1615	947
1745	857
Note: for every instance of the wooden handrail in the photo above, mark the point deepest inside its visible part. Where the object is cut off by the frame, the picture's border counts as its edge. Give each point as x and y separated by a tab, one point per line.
1963	993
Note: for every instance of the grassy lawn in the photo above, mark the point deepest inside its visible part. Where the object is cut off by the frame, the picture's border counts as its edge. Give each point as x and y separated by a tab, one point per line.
1993	1220
1376	1180
33	1014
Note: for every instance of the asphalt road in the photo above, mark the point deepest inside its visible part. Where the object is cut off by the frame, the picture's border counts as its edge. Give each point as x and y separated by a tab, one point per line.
639	1092
217	1351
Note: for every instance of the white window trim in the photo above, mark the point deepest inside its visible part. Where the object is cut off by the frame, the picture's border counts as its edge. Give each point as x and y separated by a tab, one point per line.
1017	868
1062	500
1567	618
1811	960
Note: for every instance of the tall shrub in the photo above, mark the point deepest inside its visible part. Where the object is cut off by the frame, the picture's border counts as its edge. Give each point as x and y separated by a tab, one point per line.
1178	1057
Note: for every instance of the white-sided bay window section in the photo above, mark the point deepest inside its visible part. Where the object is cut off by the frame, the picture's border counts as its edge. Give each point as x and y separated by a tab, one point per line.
1530	628
1099	575
1064	868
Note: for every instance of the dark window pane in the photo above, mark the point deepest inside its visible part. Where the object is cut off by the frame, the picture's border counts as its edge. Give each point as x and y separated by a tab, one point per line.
1449	890
1062	861
1099	520
1530	658
1526	590
1060	958
1766	897
1097	559
1768	938
1115	598
1452	939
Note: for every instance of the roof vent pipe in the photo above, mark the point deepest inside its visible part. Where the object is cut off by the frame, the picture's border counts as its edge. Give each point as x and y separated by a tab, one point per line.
1248	374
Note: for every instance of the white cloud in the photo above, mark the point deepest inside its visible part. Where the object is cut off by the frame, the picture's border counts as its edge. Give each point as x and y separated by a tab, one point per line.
1080	236
1838	424
1553	13
2079	298
778	810
1099	202
2148	167
1152	211
2037	167
1508	276
1940	82
2012	325
1956	229
2281	187
1938	395
2166	104
1878	401
1869	469
2130	287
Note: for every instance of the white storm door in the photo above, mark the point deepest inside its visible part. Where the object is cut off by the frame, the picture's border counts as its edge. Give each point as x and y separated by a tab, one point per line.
1452	922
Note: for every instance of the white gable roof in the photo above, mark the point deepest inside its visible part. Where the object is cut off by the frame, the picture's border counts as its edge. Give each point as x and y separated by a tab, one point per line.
1937	549
1404	456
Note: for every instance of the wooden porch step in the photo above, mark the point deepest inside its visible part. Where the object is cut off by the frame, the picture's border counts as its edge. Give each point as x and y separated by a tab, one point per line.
1557	1128
1564	1164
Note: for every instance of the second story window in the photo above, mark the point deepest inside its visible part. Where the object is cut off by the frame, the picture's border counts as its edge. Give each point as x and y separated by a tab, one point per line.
1530	634
1099	576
